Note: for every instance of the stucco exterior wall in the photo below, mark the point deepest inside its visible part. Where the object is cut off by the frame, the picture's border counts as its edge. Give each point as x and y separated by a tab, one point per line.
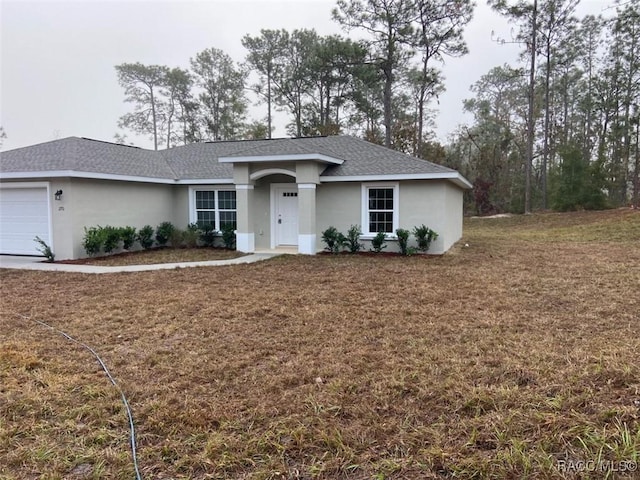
454	214
437	204
262	214
86	203
105	202
337	205
181	206
62	219
423	203
258	167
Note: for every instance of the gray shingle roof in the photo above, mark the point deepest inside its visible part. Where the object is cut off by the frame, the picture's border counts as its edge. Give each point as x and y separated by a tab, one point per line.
364	158
85	155
200	161
278	146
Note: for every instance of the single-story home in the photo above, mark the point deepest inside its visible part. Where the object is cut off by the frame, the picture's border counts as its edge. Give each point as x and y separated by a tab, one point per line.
280	192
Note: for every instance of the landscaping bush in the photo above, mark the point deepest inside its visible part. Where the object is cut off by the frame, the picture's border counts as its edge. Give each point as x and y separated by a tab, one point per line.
45	249
163	233
424	235
378	243
403	240
190	235
93	240
176	237
145	237
353	239
334	239
229	236
207	234
111	237
128	236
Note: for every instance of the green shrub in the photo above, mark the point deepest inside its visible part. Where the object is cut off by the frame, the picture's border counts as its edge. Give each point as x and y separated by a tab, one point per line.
45	249
207	234
190	235
353	239
111	238
145	237
128	236
378	243
403	240
334	240
93	240
163	233
229	236
424	235
176	237
576	183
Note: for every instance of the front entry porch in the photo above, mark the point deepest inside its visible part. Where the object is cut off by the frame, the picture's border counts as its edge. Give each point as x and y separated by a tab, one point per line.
292	206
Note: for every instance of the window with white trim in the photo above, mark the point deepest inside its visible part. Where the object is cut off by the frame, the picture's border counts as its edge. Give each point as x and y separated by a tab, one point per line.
216	208
380	208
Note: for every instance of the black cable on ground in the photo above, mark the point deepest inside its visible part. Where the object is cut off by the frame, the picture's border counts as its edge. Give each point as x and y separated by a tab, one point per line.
111	379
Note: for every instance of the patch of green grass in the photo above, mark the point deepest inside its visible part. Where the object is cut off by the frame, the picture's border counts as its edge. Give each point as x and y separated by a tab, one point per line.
621	225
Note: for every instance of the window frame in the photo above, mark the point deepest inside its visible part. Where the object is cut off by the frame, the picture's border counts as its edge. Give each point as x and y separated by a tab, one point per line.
193	209
366	234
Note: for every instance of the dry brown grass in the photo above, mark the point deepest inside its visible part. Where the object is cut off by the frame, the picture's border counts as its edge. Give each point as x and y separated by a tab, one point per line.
160	255
493	361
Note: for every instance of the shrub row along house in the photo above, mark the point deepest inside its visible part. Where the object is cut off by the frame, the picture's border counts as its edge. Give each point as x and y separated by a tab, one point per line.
280	192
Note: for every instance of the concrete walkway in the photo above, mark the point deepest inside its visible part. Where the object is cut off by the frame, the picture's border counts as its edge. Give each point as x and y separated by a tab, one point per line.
36	263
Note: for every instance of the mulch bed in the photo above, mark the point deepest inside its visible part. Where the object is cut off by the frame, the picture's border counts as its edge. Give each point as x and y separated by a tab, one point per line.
158	255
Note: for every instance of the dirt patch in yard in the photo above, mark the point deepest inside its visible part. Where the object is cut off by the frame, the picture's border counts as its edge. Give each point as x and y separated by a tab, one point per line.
498	361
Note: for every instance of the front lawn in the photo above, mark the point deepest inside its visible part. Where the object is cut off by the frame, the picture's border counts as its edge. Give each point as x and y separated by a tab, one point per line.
502	359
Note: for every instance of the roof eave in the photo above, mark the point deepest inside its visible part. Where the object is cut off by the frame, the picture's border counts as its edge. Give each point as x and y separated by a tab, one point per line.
80	174
204	181
453	177
283	158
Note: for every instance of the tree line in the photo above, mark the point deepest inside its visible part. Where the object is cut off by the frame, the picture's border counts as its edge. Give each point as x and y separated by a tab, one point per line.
560	129
377	87
568	118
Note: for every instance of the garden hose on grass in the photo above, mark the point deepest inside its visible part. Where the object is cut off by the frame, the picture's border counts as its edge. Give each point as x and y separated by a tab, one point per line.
111	379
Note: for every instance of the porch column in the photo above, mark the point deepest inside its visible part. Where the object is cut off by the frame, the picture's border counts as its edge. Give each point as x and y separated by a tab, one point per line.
245	237
307	218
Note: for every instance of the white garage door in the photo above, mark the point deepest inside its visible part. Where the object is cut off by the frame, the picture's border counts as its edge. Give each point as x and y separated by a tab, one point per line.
24	214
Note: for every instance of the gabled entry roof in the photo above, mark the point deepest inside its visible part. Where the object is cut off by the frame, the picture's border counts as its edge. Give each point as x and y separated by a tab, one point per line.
347	159
282	150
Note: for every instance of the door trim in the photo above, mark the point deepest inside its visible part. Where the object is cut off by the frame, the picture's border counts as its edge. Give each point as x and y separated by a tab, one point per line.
275	187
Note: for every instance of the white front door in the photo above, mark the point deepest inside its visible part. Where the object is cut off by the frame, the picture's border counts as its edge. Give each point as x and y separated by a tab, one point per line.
286	215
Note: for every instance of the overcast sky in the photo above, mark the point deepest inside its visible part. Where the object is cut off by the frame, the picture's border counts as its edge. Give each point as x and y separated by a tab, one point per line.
57	58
